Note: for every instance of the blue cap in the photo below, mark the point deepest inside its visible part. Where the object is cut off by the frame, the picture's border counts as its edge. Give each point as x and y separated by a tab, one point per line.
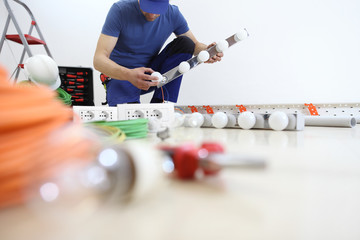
154	6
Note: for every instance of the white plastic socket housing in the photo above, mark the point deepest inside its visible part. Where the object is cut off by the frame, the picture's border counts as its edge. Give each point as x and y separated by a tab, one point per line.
162	111
231	121
207	120
90	113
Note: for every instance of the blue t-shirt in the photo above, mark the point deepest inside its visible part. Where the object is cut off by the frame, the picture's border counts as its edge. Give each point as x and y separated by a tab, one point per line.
138	39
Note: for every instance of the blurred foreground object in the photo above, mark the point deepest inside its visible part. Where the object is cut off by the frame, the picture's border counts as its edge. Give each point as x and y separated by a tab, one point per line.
188	160
133	129
37	138
48	161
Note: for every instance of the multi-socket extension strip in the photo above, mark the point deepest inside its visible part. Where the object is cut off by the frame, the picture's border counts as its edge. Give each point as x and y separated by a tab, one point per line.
328	110
327	115
163	112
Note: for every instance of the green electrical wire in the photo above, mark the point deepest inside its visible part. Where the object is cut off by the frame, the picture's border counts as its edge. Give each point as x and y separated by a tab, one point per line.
137	128
110	133
64	96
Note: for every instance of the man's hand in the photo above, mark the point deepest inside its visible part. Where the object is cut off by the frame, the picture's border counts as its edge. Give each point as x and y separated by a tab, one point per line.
215	58
140	79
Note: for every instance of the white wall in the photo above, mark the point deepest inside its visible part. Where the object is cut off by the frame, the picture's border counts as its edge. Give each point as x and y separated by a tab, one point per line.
298	52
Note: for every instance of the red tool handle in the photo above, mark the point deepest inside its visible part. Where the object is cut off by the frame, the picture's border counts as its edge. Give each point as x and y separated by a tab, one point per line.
68	83
71	90
188	159
77	86
78	73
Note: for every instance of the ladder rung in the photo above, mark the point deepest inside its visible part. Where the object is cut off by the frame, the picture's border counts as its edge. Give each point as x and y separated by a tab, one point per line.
30	39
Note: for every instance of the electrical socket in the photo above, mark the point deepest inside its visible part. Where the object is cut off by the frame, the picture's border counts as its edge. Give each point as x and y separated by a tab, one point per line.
90	113
164	112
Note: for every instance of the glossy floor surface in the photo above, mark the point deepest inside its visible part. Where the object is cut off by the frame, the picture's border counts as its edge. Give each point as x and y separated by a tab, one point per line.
309	189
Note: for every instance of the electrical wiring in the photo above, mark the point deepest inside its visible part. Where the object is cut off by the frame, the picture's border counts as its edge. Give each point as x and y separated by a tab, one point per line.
136	128
38	138
64	96
109	133
179	109
167	93
162	93
61	93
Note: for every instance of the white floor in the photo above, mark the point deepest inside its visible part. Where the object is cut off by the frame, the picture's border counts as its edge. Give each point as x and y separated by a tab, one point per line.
310	189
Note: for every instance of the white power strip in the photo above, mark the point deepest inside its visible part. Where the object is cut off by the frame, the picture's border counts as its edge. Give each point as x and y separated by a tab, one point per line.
90	113
164	112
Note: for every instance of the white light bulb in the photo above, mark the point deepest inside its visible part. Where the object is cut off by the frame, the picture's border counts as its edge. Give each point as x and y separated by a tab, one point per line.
246	120
203	56
195	120
179	119
184	67
219	120
158	75
222	45
239	36
278	121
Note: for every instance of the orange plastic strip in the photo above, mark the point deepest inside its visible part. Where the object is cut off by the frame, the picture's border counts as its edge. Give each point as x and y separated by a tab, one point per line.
209	109
242	108
193	109
312	109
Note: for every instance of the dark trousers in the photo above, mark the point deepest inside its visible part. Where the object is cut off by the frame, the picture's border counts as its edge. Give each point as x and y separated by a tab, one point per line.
177	51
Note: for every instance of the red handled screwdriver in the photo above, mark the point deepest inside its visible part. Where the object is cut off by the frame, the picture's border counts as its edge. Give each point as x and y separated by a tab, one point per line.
77	86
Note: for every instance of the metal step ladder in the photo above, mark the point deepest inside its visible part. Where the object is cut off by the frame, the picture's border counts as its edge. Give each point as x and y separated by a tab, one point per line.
25	39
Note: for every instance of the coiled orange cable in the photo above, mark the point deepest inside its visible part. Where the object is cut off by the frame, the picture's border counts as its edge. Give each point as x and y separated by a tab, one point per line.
38	138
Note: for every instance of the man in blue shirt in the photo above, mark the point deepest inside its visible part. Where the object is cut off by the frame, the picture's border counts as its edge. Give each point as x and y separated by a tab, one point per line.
128	49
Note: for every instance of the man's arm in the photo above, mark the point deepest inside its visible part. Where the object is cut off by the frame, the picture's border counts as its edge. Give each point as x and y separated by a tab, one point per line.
105	65
201	46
